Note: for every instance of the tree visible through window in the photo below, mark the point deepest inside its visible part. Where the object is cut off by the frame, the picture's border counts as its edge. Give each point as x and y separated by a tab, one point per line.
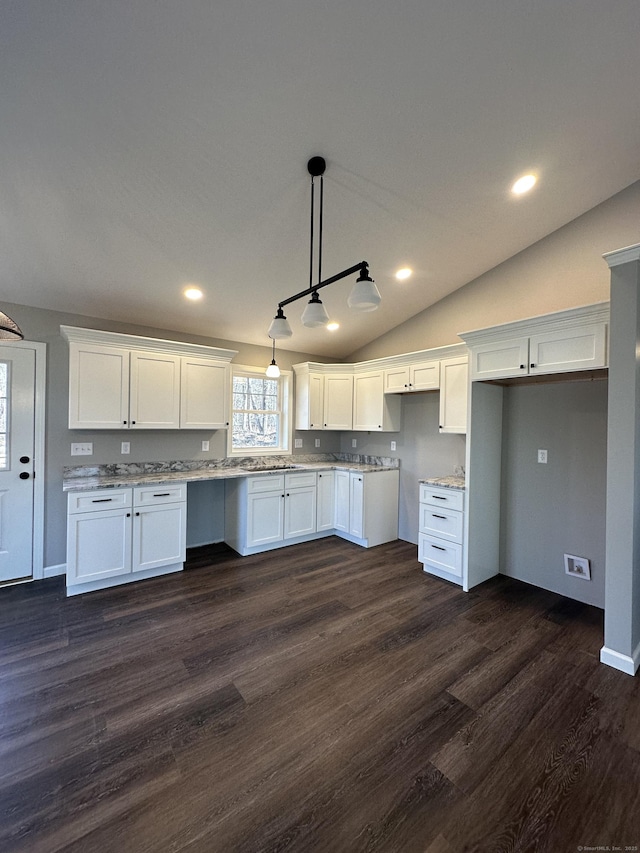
257	412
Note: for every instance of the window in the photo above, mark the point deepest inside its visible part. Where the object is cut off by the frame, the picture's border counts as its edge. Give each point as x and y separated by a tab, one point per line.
260	413
4	412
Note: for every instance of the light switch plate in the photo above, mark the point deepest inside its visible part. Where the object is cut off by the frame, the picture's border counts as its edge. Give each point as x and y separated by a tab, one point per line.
393	445
125	447
205	445
542	456
297	442
82	448
317	442
354	442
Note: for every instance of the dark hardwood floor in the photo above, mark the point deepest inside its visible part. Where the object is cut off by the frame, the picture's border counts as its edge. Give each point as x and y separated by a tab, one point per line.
317	698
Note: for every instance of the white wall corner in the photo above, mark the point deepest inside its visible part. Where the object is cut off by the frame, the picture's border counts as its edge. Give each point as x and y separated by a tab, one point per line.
54	571
625	663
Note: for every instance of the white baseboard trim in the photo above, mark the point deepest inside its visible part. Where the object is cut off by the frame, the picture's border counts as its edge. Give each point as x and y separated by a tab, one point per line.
625	663
54	571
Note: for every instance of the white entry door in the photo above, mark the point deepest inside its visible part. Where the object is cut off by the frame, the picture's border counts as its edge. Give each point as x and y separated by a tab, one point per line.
17	445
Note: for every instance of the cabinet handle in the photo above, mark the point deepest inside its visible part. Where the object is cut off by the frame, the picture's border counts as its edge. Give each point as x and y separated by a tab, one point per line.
124	422
24	475
162	495
24	460
439	548
433	515
438	498
128	515
133	422
522	366
532	365
137	513
101	500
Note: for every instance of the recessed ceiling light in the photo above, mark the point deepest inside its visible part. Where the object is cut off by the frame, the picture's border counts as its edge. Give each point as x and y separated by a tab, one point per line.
524	184
404	273
332	327
193	293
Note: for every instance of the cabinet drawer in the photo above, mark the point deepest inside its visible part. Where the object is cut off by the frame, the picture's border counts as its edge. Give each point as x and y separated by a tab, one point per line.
443	555
444	523
161	494
99	500
268	483
434	496
300	478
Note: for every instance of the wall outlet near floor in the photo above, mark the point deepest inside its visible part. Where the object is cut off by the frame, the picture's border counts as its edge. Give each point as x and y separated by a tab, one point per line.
579	567
317	442
82	449
205	445
542	456
354	442
297	442
125	447
393	445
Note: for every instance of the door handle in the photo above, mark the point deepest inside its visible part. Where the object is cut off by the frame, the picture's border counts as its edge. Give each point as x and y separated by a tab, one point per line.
24	475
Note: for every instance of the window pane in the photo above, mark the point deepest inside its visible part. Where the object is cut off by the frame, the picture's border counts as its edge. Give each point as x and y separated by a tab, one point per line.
256	418
3	414
240	384
3	451
3	380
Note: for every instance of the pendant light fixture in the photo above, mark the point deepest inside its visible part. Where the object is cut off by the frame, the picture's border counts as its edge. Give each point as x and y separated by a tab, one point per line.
9	331
273	371
364	296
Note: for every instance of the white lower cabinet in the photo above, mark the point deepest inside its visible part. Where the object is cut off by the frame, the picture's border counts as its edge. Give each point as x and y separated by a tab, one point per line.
366	507
326	501
441	520
273	510
119	535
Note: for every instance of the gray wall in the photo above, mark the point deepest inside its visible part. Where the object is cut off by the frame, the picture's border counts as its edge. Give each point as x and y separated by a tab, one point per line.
557	508
146	446
422	450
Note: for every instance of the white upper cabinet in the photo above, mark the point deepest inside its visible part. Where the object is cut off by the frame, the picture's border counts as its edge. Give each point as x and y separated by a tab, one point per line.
154	391
562	342
98	387
127	382
372	410
204	394
324	397
338	401
454	380
403	379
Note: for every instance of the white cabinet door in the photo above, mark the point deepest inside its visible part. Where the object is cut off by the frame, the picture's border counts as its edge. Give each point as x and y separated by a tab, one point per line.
204	392
582	348
326	501
98	545
454	373
425	377
368	399
316	401
98	387
300	512
396	380
500	359
159	536
342	501
265	518
155	391
356	506
338	401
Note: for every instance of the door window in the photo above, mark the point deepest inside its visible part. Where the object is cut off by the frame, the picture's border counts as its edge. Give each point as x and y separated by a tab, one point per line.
4	416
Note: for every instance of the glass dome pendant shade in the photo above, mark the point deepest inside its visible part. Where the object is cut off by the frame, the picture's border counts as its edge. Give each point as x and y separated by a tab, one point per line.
9	331
315	314
280	327
364	296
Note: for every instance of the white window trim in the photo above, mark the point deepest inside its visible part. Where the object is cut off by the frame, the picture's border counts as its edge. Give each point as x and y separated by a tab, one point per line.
286	432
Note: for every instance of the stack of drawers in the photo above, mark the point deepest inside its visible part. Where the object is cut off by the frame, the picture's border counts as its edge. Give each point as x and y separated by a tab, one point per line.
440	532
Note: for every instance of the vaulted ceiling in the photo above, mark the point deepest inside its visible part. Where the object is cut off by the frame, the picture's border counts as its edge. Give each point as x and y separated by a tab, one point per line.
147	144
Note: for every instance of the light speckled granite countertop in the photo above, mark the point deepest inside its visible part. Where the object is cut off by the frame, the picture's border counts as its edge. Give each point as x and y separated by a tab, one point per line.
85	478
451	482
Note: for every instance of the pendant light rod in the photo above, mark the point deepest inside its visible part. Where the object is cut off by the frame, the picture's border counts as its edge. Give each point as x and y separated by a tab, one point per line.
362	267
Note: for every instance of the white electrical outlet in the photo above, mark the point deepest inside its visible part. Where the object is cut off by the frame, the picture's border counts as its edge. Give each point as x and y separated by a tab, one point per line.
82	449
125	447
354	442
205	445
542	456
317	442
297	442
393	445
579	567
